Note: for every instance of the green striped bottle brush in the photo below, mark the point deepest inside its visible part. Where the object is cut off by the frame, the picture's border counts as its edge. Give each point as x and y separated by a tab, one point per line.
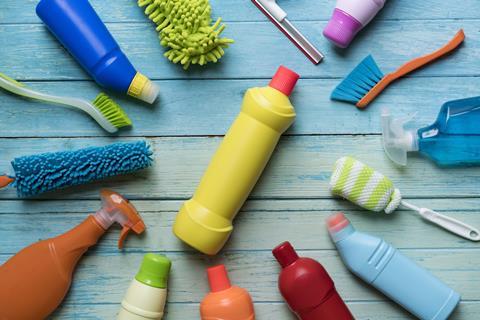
371	190
185	28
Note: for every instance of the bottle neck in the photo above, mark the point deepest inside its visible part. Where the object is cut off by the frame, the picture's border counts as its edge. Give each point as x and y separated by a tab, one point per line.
342	234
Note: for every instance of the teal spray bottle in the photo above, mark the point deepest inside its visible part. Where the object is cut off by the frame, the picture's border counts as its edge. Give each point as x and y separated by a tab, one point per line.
452	140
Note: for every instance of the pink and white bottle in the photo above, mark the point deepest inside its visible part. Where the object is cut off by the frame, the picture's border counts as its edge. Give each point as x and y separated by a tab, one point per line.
349	17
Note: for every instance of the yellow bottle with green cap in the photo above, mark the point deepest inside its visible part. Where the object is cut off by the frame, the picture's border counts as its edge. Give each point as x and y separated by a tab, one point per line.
147	294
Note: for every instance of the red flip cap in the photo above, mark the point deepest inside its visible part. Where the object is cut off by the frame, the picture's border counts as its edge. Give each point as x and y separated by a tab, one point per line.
218	278
284	80
285	254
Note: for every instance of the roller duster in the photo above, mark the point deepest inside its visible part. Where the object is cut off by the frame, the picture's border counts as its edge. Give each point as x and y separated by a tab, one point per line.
41	173
205	221
185	28
362	185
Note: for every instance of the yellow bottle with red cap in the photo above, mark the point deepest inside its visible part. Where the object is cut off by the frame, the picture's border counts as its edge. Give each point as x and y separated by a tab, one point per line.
205	221
225	302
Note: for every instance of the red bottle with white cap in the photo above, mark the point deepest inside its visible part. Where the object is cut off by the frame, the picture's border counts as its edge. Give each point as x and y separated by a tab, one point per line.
307	288
225	302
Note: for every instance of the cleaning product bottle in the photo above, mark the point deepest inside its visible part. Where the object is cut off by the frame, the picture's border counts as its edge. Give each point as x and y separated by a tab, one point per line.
205	221
308	289
147	294
35	280
453	140
349	17
225	302
396	276
78	27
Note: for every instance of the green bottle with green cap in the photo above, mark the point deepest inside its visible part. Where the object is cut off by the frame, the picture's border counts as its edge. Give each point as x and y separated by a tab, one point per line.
147	294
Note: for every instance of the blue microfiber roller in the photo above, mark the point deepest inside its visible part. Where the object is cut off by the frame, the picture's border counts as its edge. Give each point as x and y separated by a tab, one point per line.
50	171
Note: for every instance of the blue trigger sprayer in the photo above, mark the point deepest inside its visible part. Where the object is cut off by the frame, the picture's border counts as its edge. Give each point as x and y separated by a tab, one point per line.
452	140
78	27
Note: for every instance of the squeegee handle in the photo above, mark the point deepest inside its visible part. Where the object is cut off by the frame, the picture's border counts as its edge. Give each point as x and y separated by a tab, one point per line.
274	9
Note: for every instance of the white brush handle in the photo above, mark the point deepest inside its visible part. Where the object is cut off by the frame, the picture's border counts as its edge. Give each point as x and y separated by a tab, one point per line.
65	101
453	225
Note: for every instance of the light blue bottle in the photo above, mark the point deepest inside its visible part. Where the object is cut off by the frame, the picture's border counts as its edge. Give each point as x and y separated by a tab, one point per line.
396	276
453	140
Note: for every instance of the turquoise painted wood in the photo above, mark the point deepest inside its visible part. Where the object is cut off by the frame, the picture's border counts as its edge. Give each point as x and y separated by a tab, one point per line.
195	109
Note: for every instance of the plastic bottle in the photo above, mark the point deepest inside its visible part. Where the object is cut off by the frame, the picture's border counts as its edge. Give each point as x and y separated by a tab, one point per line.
35	280
349	17
225	302
205	221
453	140
145	298
78	27
382	266
307	288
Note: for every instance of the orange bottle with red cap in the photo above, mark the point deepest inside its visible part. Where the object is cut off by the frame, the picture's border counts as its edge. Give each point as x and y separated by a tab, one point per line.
225	302
34	282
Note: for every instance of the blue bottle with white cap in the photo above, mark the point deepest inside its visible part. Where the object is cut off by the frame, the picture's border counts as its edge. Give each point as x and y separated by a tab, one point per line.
78	27
399	278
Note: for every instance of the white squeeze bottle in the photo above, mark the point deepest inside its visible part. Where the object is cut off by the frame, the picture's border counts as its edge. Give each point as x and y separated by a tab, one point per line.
146	297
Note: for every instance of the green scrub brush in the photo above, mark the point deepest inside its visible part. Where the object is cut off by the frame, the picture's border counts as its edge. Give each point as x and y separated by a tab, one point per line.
185	28
50	171
103	110
360	184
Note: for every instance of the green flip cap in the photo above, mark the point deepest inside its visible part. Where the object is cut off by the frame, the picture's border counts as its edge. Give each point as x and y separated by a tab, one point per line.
154	270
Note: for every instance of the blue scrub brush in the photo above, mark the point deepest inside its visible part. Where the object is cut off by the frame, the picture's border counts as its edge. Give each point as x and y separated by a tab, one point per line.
103	110
50	171
367	81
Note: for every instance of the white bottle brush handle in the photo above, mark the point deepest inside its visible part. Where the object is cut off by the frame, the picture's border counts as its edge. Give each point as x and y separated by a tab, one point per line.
448	223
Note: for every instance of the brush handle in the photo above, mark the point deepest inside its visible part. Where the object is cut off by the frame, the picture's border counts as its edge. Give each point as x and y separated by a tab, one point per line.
426	59
453	225
409	67
5	181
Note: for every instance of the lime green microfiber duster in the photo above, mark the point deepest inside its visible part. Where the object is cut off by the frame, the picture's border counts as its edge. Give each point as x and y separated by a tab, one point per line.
185	27
357	182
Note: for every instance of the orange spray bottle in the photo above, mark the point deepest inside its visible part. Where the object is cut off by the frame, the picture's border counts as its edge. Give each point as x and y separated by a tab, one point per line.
225	302
35	280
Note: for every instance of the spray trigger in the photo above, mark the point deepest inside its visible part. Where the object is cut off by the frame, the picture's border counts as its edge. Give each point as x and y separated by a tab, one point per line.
396	140
118	209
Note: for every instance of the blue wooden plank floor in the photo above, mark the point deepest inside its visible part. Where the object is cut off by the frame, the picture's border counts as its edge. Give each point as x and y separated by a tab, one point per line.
196	107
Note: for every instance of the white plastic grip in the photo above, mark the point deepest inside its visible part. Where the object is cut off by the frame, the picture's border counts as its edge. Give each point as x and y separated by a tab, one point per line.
451	224
274	9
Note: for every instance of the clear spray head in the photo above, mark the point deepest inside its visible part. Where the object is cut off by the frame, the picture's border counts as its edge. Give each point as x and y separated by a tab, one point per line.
115	208
396	140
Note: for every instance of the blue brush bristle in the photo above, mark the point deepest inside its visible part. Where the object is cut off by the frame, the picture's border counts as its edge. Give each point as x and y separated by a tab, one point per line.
50	171
359	82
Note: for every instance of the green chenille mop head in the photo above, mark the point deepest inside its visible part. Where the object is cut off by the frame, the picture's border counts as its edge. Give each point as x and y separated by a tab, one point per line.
360	184
185	28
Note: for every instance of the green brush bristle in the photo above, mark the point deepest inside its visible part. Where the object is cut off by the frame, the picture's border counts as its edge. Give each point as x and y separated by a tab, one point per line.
112	111
185	28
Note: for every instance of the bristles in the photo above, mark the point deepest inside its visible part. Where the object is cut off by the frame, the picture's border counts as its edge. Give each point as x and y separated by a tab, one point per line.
112	111
50	171
359	82
186	29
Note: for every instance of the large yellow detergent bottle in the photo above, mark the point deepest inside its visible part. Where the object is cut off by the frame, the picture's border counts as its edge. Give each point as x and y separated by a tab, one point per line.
205	221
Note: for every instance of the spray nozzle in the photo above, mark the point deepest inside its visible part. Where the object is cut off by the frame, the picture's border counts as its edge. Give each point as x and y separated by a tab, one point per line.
115	208
396	140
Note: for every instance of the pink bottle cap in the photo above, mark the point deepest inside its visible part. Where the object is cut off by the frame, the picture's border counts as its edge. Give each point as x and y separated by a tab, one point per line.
337	222
218	278
284	80
342	28
285	254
